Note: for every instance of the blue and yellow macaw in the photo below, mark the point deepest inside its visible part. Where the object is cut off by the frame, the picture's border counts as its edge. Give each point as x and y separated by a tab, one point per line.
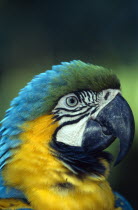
53	140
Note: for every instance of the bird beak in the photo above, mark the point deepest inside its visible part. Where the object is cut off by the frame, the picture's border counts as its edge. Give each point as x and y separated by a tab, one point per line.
115	120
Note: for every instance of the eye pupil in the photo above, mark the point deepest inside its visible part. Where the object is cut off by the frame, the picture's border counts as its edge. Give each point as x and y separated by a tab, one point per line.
71	101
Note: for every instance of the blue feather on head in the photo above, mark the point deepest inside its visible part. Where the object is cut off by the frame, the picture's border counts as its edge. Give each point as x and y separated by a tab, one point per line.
40	96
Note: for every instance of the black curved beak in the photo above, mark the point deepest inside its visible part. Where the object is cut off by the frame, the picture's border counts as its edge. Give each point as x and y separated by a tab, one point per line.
115	120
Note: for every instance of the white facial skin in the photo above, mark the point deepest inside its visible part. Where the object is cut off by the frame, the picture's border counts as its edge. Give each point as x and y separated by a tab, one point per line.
73	112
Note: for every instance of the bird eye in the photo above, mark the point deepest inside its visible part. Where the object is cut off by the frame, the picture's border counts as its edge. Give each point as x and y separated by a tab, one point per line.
71	101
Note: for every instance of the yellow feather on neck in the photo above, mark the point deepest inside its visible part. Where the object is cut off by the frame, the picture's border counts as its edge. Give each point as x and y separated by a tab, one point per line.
12	204
33	156
34	170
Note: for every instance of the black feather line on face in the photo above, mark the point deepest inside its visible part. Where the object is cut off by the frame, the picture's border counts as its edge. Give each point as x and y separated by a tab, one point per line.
69	110
83	114
80	161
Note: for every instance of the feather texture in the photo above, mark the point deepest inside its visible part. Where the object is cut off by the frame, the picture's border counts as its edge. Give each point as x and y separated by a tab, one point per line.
30	172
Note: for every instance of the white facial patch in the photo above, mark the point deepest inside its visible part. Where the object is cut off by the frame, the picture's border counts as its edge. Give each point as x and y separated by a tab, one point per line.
75	109
72	134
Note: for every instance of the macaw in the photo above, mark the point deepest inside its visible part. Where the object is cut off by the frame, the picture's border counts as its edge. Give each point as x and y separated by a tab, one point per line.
54	136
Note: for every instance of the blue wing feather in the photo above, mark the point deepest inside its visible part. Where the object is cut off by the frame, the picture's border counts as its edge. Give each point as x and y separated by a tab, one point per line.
120	201
7	192
17	115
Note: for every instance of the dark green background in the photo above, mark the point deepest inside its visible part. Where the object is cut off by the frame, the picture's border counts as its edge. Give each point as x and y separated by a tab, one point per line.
35	34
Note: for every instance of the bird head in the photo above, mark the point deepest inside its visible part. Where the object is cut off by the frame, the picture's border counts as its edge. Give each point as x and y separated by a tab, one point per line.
86	103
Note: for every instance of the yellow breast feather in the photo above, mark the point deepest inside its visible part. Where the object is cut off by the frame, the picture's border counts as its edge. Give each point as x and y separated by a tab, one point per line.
12	204
46	182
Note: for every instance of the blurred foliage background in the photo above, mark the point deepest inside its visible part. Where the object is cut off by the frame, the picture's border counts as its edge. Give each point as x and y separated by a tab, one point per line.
36	34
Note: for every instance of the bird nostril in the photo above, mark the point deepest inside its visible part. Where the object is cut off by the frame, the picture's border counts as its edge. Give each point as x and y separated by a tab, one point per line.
106	95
